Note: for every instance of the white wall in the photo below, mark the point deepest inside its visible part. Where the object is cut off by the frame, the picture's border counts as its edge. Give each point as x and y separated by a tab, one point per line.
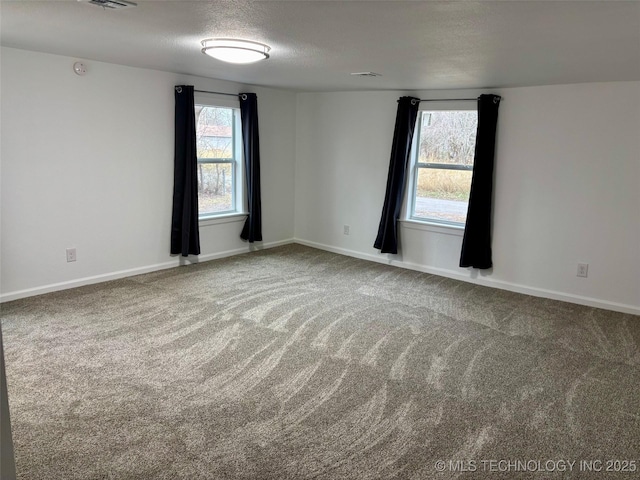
87	162
567	189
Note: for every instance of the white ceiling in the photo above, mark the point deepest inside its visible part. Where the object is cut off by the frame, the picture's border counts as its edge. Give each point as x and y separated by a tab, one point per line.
415	45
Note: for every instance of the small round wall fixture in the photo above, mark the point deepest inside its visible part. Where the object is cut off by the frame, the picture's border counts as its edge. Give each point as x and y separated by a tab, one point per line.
232	50
79	68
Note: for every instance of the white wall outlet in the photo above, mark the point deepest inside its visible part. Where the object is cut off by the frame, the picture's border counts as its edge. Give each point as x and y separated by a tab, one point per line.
346	229
71	254
583	270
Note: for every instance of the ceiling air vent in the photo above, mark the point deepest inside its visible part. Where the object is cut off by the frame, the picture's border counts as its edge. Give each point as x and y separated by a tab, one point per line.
110	4
366	74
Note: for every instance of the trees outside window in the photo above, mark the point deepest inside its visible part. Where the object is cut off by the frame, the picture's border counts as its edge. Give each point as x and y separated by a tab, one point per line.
217	159
443	165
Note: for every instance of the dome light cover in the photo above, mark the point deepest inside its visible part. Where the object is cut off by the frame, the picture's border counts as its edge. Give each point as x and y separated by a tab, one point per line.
232	50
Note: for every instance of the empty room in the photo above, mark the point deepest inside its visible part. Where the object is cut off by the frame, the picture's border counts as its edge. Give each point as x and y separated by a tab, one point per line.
319	240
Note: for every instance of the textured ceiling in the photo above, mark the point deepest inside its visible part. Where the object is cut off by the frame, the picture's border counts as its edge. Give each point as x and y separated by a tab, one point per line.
316	44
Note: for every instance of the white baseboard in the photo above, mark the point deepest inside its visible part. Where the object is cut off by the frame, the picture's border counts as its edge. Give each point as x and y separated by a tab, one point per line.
534	291
80	282
105	277
484	281
251	247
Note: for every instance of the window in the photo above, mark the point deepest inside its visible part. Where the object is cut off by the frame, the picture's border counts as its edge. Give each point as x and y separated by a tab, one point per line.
442	166
219	166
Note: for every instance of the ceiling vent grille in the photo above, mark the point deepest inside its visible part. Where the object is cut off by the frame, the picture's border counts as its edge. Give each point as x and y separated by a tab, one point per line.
110	4
366	74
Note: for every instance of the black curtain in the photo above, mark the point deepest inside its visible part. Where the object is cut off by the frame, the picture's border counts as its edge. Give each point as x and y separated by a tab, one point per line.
476	243
252	230
185	237
387	239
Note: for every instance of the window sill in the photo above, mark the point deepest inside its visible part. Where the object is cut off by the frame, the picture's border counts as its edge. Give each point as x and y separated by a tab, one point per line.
455	230
222	218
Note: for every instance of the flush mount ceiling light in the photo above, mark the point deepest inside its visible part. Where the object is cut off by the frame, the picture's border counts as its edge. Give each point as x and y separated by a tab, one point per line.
235	51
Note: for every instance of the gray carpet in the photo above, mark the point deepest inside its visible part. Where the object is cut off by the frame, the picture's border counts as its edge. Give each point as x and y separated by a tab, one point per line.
294	363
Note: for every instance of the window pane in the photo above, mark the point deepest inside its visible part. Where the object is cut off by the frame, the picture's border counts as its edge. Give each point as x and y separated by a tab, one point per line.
442	194
214	132
446	138
215	188
214	140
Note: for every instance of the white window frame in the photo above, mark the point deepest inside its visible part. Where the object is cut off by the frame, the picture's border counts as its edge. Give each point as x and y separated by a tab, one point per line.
425	223
239	203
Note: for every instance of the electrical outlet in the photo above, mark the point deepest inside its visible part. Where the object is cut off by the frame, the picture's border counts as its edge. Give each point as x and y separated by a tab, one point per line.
583	270
71	254
346	229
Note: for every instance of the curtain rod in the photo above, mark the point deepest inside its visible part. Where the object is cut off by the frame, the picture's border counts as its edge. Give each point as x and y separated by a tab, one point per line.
447	99
241	95
244	96
413	102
